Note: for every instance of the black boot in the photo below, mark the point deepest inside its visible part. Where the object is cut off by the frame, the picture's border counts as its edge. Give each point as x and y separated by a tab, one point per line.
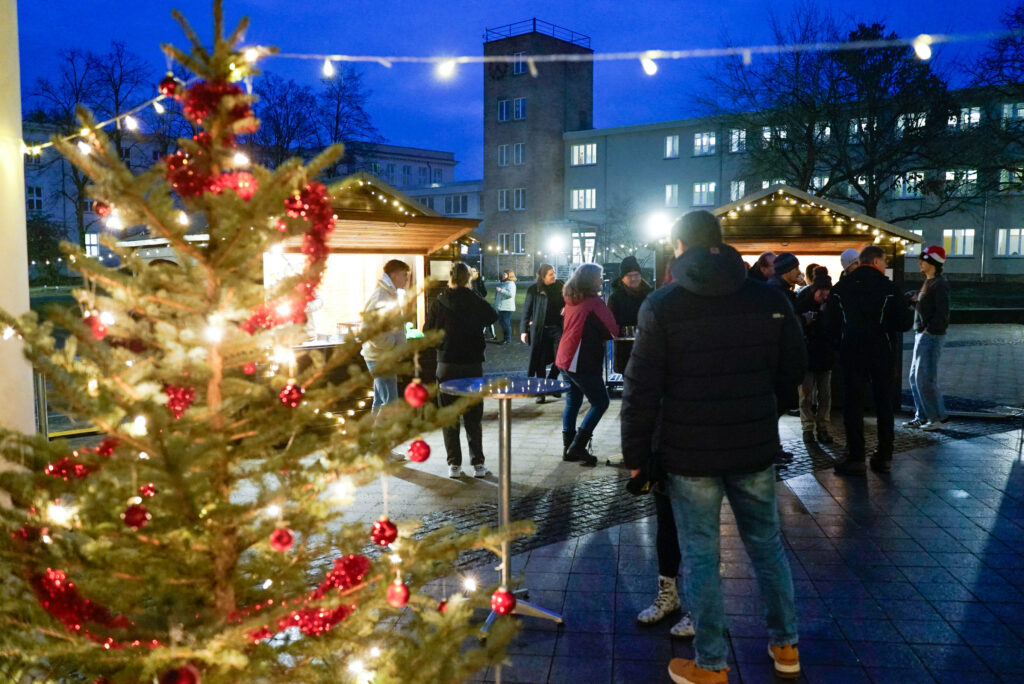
578	450
567	437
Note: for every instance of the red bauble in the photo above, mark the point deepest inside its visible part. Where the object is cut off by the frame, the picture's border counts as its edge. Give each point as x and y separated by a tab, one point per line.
69	467
136	516
416	393
281	539
242	182
442	607
186	674
179	399
107	446
384	531
291	394
147	490
419	451
503	601
99	331
398	594
168	86
101	209
249	368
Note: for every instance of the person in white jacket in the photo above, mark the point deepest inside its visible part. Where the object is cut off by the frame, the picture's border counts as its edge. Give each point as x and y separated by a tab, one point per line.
505	303
385	296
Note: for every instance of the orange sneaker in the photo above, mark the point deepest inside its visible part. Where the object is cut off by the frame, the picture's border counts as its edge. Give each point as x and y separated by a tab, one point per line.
683	671
787	661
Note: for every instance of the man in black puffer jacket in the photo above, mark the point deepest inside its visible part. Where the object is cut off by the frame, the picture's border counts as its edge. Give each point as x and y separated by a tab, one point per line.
699	399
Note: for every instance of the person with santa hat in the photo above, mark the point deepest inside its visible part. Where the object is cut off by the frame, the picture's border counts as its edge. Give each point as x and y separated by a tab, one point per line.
931	318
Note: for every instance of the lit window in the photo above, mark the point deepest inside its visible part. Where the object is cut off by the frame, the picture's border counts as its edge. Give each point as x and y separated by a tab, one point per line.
583	155
672	195
861	127
584	198
963	182
818	183
909	185
914	249
737	189
502	155
456	204
958	241
92	244
703	144
704	194
519	65
738	140
517	153
1010	242
503	200
765	184
822	131
910	123
33	198
519	199
671	147
1011	180
33	155
967	118
1013	112
772	133
504	110
519	110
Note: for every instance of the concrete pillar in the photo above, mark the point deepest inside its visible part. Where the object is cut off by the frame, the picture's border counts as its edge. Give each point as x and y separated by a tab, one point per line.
17	410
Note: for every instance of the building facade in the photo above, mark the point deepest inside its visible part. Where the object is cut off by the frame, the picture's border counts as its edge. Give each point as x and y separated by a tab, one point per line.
398	166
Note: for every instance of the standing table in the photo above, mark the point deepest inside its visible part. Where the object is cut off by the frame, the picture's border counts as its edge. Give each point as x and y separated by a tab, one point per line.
516	388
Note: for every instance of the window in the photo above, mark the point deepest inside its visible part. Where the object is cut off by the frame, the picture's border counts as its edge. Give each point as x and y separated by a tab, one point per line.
772	133
33	155
910	123
514	243
671	147
909	185
424	175
504	109
375	169
704	194
822	131
438	175
156	155
703	144
519	110
672	195
389	173
860	128
1011	180
502	155
583	155
738	140
584	198
914	249
33	198
428	202
92	245
406	174
963	182
967	118
456	204
519	199
817	183
519	65
503	200
958	241
765	184
517	153
1010	242
737	189
1013	112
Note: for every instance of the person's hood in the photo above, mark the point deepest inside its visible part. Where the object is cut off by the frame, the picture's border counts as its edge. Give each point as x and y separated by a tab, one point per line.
866	274
458	298
710	271
386	284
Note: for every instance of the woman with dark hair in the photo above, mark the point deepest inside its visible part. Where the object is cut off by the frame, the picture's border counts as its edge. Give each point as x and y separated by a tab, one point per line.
589	324
931	318
541	324
462	315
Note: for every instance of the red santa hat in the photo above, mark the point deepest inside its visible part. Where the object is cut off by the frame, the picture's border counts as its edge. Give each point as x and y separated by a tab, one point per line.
934	254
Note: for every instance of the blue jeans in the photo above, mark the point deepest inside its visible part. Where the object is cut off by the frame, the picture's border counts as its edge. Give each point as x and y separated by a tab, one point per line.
385	389
580	385
505	318
924	377
697	506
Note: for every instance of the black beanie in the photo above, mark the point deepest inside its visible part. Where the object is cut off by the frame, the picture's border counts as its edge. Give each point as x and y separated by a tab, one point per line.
785	262
629	265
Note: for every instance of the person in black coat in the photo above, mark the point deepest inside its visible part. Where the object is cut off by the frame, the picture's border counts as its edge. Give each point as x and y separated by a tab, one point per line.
462	315
628	293
866	316
541	324
816	389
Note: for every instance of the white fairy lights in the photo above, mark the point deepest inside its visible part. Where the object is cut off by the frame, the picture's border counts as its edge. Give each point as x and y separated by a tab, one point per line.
328	69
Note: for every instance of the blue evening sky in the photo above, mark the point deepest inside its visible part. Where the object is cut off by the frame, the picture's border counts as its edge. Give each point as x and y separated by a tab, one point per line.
411	107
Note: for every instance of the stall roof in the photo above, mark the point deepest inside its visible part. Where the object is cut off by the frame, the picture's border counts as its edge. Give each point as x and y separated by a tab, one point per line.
800	222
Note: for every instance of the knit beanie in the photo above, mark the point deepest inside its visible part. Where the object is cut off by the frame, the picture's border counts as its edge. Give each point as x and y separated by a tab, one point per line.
785	262
822	280
848	258
629	265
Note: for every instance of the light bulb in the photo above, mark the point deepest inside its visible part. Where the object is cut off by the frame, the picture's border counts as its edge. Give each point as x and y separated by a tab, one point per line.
138	427
375	652
328	69
446	69
8	332
273	511
923	47
250	55
268	583
649	65
114	221
131	123
107	318
356	666
158	108
340	491
469	584
214	334
84	132
240	159
59	514
283	356
183	218
84	147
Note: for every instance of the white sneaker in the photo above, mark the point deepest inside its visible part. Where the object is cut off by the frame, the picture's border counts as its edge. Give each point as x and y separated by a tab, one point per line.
480	471
915	423
931	426
665	603
684	628
455	472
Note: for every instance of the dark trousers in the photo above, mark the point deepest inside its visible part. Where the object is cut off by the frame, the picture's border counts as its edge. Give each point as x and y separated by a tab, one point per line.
472	418
551	336
857	373
592	387
667	539
505	318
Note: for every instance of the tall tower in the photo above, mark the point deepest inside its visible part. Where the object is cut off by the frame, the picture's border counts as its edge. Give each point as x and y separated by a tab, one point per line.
527	108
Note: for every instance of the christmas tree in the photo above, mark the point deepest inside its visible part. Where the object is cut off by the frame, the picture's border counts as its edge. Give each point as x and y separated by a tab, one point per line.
203	537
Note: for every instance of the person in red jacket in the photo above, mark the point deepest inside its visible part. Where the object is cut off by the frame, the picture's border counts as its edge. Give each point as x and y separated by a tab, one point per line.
588	324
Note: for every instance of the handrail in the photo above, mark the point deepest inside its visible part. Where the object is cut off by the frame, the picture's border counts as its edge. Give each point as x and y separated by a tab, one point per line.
535	25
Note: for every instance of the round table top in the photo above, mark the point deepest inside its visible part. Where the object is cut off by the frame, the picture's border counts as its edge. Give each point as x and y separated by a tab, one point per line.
516	387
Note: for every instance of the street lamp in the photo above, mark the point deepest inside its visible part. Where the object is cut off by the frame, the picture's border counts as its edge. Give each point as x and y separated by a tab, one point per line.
658	226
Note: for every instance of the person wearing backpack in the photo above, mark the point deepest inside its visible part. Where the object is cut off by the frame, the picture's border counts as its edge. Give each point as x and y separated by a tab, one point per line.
866	316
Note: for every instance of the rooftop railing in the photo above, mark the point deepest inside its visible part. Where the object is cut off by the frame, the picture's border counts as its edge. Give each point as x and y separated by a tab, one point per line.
536	26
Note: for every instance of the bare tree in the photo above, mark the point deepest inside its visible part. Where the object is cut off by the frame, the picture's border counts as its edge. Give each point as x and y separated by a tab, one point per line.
342	116
122	80
623	233
287	113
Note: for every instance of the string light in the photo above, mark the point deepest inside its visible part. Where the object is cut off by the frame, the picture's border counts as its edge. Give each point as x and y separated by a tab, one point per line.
923	47
131	123
649	65
446	69
158	108
251	54
59	514
328	69
240	159
183	218
107	318
84	147
138	428
469	584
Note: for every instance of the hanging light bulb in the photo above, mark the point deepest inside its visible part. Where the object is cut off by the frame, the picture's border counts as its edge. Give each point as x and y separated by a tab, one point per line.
446	69
114	222
923	47
328	69
251	54
158	108
183	218
59	514
649	65
240	159
84	147
131	123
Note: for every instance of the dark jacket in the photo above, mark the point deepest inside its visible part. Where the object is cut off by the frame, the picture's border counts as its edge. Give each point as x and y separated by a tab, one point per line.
865	315
543	306
625	306
754	273
821	355
462	315
699	390
932	312
783	287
